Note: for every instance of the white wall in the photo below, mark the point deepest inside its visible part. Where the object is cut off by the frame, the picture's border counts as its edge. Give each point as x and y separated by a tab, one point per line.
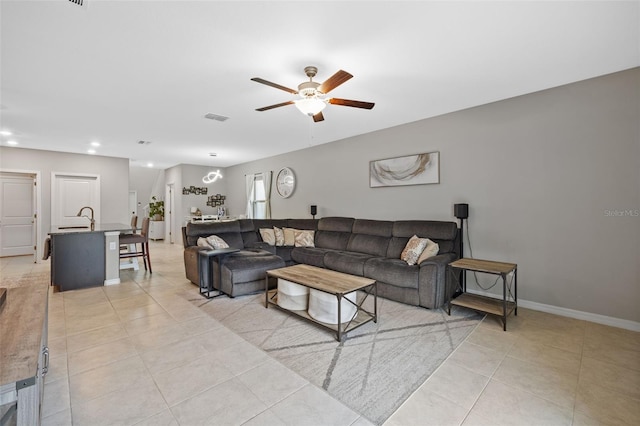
184	175
146	182
114	179
192	176
542	173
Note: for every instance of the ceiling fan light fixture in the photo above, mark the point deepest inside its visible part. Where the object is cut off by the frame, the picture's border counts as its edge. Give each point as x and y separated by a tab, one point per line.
310	105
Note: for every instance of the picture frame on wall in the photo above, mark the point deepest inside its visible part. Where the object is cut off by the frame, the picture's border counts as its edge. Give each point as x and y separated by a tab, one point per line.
417	169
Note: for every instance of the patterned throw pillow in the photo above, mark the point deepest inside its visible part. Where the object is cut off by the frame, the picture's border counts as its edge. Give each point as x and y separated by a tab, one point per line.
289	236
303	238
279	236
268	236
202	242
429	251
414	248
216	242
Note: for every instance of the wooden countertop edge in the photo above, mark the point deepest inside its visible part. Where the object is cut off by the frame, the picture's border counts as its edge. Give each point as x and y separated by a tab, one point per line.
21	324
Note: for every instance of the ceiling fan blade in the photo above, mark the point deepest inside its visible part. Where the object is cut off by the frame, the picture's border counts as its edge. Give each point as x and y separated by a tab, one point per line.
277	86
274	106
318	117
350	103
334	81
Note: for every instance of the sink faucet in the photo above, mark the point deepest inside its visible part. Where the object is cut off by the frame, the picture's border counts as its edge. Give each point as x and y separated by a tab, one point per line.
93	222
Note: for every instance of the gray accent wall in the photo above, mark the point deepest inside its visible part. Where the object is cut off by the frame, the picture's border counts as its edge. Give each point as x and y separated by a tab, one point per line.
552	180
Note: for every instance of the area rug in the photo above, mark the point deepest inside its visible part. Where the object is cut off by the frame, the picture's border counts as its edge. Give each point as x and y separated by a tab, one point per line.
374	369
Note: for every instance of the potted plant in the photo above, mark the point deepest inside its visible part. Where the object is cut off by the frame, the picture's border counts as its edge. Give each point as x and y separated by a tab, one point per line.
156	209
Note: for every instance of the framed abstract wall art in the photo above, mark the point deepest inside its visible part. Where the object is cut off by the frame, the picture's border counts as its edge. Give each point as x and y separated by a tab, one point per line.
418	169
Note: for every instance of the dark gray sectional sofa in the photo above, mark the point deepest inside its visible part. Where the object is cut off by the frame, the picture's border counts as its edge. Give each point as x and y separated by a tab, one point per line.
362	247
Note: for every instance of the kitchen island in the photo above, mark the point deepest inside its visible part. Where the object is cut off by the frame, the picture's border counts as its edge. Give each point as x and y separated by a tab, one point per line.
84	256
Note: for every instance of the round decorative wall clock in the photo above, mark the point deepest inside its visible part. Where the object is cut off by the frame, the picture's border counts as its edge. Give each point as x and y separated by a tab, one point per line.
285	182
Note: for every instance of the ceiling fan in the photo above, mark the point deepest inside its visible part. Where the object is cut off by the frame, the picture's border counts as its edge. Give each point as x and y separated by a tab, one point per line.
312	100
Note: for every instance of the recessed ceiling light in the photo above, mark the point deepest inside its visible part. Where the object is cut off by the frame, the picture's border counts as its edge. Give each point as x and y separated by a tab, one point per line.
95	143
91	151
12	143
5	133
149	164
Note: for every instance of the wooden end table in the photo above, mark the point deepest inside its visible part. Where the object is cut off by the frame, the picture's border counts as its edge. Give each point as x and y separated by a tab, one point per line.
490	305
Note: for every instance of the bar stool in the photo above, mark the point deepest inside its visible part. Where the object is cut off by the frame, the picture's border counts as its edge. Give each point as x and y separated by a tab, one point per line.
132	240
133	262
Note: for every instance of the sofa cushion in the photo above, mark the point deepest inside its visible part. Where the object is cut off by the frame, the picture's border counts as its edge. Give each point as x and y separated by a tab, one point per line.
313	256
334	232
392	271
443	233
332	240
347	262
285	253
303	224
381	228
248	232
369	244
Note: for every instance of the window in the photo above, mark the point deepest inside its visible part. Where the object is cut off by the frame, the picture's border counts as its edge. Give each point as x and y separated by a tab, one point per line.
258	195
259	201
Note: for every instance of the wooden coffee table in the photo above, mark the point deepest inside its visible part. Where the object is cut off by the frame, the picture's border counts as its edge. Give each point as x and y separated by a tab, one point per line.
331	282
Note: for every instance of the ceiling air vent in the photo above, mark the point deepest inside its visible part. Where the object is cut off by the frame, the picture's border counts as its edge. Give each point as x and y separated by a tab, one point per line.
212	116
79	2
144	142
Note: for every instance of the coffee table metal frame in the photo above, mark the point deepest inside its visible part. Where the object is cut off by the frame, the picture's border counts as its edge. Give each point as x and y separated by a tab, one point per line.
361	317
205	264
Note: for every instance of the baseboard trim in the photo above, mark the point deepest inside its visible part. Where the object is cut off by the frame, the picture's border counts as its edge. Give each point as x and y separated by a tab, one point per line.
112	281
570	313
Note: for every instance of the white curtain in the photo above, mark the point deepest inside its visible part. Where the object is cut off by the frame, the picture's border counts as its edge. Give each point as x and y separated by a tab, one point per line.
249	187
266	176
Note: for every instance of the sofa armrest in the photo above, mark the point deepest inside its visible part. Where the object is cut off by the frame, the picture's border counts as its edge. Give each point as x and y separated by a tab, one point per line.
432	286
191	263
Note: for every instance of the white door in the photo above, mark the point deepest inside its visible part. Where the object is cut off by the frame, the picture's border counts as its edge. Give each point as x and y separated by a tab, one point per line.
17	215
133	203
69	193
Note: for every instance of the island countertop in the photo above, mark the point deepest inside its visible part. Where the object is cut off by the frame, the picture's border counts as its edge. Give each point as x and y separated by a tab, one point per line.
99	227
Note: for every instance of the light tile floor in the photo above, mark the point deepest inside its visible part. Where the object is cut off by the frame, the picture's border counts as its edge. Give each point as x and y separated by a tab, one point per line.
141	353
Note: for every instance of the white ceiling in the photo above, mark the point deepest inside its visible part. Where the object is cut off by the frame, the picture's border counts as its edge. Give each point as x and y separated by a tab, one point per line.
118	72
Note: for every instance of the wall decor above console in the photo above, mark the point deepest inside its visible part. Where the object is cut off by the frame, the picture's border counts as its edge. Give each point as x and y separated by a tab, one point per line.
418	169
216	200
195	190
